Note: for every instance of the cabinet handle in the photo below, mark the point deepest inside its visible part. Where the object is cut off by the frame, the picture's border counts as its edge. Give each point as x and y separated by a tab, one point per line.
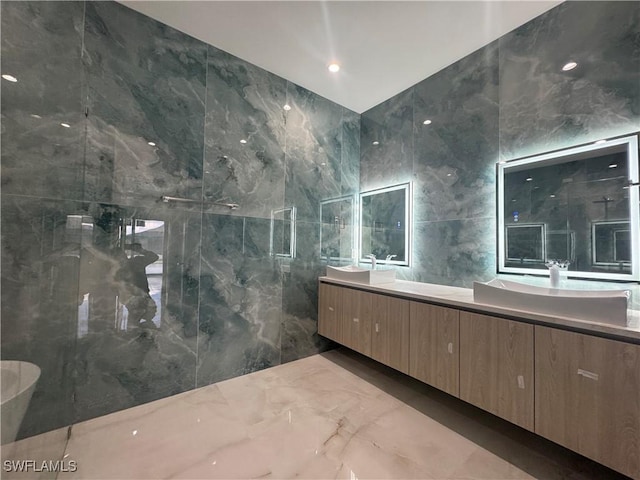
331	309
377	327
521	382
356	320
450	347
588	374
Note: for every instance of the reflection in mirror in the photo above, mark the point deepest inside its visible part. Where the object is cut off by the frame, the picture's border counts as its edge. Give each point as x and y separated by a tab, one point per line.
578	204
525	243
611	243
385	224
282	242
561	244
337	229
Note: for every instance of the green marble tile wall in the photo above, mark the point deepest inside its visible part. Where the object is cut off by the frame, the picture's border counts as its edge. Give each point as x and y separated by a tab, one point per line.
152	112
506	100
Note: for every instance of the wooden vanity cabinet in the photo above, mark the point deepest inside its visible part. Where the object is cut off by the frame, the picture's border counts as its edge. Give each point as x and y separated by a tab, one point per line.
374	325
355	320
329	321
587	388
390	332
434	353
588	396
496	366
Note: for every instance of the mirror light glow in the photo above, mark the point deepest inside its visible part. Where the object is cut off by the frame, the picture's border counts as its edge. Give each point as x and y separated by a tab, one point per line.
386	225
627	145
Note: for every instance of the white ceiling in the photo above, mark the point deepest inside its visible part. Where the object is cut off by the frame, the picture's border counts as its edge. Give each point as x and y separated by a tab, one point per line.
383	47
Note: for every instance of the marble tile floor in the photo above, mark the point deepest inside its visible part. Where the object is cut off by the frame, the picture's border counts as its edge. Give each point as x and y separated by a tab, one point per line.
333	415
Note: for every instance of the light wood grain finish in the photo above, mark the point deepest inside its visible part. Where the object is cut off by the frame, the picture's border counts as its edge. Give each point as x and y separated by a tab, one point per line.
588	396
434	354
329	324
496	367
356	320
390	334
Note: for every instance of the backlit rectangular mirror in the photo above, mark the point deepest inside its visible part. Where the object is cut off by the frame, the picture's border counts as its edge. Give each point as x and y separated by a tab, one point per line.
579	205
385	225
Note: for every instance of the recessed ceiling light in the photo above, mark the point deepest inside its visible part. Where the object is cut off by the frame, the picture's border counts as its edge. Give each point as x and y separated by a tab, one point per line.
35	115
334	67
243	141
152	144
427	122
552	196
600	141
65	125
529	179
569	66
613	165
10	78
287	107
375	143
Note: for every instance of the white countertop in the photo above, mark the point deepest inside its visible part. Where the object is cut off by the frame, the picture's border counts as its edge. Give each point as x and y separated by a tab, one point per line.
463	298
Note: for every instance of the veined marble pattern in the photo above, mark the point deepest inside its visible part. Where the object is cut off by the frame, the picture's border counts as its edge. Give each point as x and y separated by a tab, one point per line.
60	287
322	159
240	299
145	83
386	149
314	160
334	415
40	276
455	252
350	173
300	297
244	135
455	155
38	39
122	80
506	99
543	108
122	364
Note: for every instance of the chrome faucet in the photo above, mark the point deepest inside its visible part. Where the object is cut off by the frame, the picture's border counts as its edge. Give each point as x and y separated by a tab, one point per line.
373	260
389	257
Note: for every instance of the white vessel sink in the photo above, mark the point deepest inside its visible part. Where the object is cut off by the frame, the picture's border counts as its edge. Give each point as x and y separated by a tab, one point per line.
604	306
361	275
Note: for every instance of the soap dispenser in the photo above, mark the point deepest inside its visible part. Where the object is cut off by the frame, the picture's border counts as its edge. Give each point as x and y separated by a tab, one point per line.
554	267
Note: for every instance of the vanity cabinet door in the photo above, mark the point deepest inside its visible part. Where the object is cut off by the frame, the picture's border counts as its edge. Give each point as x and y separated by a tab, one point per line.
390	335
434	354
496	366
588	396
355	313
329	322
